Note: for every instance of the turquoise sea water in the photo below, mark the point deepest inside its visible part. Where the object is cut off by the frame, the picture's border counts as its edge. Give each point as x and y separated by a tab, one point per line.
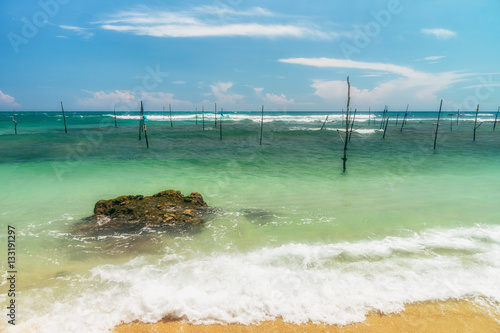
292	236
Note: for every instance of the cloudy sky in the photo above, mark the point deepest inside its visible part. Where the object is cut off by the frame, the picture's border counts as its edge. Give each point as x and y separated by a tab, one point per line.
287	55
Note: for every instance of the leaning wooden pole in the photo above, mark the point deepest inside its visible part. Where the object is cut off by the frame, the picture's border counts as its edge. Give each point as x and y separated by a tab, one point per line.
496	117
344	159
261	125
324	123
15	122
437	125
352	123
385	128
146	134
397	118
64	118
404	119
140	127
475	123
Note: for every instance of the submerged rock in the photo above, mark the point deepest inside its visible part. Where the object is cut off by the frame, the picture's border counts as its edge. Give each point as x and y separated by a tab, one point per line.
169	210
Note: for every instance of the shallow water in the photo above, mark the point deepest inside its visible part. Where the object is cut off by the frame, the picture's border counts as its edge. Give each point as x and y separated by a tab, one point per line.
292	237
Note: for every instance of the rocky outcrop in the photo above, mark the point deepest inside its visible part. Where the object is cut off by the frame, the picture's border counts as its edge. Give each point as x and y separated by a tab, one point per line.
169	210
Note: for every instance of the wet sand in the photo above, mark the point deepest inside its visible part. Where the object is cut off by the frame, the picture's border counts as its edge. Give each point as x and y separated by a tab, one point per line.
450	316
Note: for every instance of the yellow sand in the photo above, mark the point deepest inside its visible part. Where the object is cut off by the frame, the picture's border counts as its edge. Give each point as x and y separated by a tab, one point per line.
452	316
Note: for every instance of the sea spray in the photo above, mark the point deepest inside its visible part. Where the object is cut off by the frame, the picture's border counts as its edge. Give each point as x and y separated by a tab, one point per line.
337	283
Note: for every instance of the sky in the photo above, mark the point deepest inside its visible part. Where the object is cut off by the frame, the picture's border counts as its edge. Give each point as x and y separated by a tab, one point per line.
241	54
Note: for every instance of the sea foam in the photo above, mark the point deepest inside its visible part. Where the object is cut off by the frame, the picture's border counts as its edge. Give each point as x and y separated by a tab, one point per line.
337	283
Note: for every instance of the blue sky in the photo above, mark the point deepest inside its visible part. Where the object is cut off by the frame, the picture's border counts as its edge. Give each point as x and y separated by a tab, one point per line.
286	55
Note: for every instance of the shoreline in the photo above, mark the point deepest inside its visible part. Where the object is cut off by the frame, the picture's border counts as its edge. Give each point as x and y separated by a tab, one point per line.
441	316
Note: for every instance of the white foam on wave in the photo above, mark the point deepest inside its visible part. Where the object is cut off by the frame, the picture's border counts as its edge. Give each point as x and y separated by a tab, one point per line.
336	283
299	118
159	117
366	130
291	118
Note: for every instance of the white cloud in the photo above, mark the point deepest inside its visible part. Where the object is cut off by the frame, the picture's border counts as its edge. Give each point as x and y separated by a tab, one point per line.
440	33
156	101
226	10
484	85
346	63
209	21
415	91
101	100
126	100
410	86
228	30
258	91
433	58
8	101
223	95
79	31
281	99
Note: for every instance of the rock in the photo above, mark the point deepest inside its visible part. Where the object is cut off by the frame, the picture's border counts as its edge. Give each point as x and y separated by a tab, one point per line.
169	210
188	212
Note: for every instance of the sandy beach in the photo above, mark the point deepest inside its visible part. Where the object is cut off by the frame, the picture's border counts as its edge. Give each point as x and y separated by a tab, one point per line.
451	316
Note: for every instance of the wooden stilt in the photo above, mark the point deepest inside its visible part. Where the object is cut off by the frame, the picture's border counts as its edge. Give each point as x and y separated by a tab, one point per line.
458	115
146	135
141	121
475	123
170	110
352	124
397	118
324	123
215	116
344	159
261	125
144	126
385	128
383	117
203	116
196	110
437	125
404	119
496	117
369	115
114	113
220	124
15	122
64	118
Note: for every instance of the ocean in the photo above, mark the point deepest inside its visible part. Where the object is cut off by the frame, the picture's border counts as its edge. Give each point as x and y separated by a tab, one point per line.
291	236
